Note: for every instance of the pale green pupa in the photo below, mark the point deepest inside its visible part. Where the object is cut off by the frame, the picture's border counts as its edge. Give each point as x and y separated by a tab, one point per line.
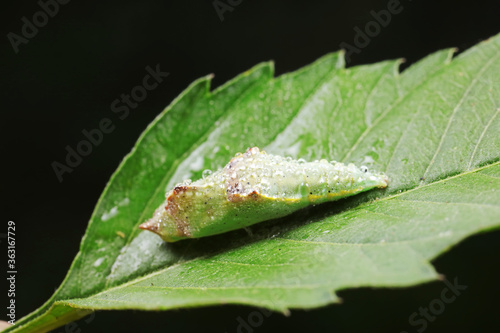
254	187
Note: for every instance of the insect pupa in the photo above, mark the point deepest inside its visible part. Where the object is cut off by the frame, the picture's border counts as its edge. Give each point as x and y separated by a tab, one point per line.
254	187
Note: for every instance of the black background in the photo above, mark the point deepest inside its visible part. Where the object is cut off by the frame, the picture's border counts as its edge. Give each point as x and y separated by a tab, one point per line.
64	79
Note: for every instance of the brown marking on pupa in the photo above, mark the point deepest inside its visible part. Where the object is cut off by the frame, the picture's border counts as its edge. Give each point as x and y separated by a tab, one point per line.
174	200
254	195
237	197
182	188
248	153
252	151
232	184
151	226
182	228
236	190
175	195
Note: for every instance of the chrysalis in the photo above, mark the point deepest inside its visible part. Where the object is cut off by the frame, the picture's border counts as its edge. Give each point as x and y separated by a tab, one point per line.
251	188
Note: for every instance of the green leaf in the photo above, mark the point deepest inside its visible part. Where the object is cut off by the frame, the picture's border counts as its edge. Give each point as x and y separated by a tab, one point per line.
433	129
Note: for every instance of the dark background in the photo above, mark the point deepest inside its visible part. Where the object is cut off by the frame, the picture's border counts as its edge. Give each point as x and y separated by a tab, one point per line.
64	79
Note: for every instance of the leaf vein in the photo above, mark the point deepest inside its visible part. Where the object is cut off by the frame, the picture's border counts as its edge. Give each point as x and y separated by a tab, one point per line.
457	107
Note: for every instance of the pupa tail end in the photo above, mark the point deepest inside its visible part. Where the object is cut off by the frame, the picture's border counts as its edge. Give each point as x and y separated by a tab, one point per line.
152	226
